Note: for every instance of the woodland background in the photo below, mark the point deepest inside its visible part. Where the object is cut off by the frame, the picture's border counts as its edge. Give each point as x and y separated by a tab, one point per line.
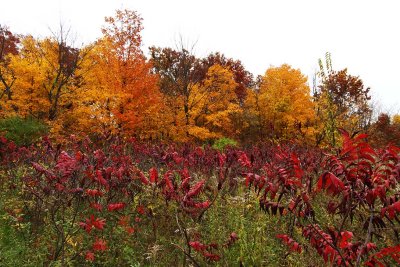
110	87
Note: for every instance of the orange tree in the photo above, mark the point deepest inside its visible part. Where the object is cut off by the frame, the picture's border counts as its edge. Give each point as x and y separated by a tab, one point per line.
129	99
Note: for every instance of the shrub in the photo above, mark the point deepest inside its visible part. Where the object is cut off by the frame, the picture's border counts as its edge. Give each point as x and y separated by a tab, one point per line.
22	131
221	143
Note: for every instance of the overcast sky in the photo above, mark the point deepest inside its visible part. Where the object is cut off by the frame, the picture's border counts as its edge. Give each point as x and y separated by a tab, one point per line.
362	35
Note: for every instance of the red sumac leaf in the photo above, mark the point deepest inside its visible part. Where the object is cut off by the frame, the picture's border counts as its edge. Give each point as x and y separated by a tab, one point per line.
197	246
143	178
329	182
89	256
196	189
115	206
100	245
211	256
153	175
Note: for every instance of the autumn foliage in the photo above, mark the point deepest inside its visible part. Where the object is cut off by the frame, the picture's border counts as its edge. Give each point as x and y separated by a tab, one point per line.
343	206
119	166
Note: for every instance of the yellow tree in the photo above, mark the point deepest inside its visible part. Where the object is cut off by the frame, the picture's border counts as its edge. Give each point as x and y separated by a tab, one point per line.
49	77
396	119
29	97
180	71
213	104
59	63
283	104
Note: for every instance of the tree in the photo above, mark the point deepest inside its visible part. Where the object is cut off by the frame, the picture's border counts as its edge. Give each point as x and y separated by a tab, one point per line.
105	86
8	46
342	102
243	78
30	98
213	103
49	74
282	104
59	63
179	73
122	74
385	130
53	66
182	75
49	79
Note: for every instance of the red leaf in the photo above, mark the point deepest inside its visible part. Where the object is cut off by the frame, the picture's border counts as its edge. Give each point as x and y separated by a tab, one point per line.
86	227
345	236
66	164
99	223
393	252
100	179
49	174
203	205
140	209
195	190
244	160
233	236
329	182
115	206
291	243
391	209
93	192
211	256
123	221
153	175
100	245
96	206
143	178
89	256
130	230
92	222
197	245
168	181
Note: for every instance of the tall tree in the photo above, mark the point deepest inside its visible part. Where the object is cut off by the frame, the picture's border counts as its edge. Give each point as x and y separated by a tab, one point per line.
179	73
29	97
49	75
58	63
342	102
123	74
283	104
213	105
243	78
8	46
385	130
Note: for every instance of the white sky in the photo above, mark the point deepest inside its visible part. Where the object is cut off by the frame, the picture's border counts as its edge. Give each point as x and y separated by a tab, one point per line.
362	35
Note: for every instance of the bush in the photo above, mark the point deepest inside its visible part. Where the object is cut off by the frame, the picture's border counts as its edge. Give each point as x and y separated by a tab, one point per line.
221	143
22	131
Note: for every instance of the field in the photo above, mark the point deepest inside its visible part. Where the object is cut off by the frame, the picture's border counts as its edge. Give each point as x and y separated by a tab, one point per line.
120	202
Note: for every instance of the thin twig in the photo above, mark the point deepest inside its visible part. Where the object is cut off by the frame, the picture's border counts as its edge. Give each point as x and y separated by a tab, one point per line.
368	237
187	254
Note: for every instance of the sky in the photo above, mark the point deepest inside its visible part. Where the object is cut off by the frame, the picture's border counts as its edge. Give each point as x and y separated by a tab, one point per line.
361	35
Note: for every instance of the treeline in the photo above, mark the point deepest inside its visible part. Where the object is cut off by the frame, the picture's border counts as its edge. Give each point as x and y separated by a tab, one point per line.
109	87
